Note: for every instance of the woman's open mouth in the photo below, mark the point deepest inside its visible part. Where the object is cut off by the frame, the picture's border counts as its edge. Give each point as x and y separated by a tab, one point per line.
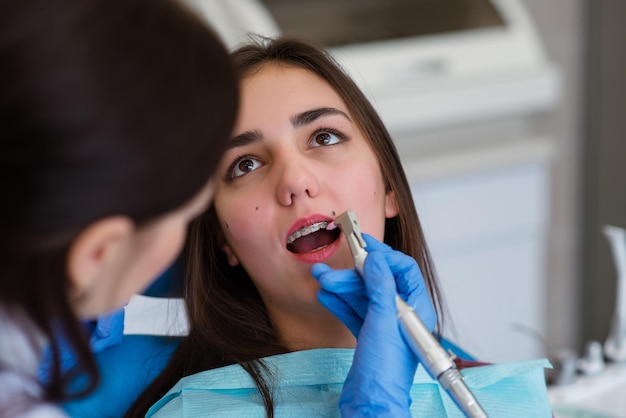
313	237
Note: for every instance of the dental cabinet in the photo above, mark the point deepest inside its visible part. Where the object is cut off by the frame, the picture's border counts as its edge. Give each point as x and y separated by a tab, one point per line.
484	209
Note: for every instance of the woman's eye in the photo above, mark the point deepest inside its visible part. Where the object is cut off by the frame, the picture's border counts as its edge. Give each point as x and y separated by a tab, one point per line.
242	166
324	138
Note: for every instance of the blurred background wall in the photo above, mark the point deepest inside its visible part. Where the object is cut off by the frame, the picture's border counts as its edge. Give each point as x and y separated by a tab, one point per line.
589	171
563	25
603	187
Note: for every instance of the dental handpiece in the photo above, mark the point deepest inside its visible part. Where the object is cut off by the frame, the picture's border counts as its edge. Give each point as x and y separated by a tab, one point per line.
439	364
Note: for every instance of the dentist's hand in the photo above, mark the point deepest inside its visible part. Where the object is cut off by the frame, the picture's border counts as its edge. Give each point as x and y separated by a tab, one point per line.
381	376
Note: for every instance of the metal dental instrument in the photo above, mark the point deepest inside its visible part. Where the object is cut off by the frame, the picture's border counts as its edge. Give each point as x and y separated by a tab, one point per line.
436	361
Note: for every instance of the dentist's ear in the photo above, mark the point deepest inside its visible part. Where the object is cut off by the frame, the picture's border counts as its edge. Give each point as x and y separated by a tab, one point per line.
95	250
391	205
230	255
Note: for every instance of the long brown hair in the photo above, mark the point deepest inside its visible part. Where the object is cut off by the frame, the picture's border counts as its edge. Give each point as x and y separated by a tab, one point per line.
228	320
107	107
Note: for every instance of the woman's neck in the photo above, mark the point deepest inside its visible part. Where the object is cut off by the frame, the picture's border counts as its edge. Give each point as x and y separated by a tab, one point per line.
303	331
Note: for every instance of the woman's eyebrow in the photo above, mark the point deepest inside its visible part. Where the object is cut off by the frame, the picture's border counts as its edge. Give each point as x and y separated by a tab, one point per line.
243	139
310	115
298	120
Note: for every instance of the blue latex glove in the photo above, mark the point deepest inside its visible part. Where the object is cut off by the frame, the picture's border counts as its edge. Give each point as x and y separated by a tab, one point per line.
381	375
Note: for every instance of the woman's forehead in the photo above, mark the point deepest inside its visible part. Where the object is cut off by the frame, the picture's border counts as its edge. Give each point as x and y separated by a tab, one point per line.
275	85
288	79
288	90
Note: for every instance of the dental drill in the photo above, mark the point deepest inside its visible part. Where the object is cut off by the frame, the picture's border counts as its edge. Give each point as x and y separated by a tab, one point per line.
439	364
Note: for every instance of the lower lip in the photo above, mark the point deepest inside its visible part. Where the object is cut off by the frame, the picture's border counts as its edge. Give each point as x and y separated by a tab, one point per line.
320	255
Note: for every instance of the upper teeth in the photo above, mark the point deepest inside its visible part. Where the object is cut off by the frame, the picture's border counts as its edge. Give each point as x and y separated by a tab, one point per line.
304	231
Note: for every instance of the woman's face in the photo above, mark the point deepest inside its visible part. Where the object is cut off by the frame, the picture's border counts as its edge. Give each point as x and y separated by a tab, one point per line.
136	257
296	161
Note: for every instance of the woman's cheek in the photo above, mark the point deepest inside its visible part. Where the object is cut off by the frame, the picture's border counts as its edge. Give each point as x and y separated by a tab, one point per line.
239	223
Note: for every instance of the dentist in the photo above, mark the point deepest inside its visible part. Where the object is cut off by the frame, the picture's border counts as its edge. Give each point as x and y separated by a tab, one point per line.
112	115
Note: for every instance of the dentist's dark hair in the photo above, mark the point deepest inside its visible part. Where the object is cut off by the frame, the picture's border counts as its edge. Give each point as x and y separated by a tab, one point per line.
228	321
107	107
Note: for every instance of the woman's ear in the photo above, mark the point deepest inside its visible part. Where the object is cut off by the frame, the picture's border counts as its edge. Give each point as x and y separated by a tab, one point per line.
231	257
96	250
391	205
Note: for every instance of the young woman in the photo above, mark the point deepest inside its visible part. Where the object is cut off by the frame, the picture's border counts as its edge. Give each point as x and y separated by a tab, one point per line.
307	146
112	117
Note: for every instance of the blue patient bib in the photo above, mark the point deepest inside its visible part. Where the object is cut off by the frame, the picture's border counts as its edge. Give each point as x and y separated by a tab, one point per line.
309	383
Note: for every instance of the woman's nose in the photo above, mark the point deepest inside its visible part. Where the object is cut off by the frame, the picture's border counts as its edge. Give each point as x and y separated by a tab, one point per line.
296	180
